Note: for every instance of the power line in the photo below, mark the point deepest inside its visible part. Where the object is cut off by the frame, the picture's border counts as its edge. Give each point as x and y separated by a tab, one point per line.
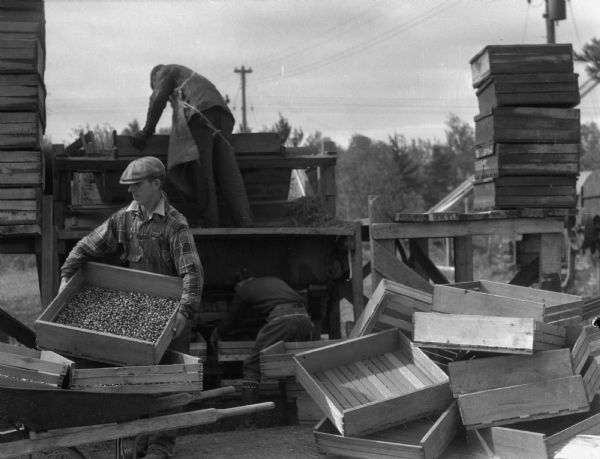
390	33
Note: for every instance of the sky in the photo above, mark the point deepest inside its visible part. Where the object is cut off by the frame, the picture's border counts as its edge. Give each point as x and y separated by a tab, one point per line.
340	67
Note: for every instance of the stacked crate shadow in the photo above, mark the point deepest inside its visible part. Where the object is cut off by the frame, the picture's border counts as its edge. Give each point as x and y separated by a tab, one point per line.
527	134
22	115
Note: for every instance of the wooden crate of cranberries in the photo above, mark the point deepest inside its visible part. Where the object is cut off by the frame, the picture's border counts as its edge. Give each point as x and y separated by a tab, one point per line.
111	314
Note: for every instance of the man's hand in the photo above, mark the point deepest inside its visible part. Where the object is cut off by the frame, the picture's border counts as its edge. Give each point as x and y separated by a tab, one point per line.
63	283
138	140
180	324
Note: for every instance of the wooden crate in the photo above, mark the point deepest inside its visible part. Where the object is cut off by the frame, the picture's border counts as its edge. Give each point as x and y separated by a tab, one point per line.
21	56
177	372
507	389
424	438
19	206
546	58
20	169
512	335
277	360
391	306
524	192
499	299
20	130
234	351
24	367
529	90
369	383
106	347
23	93
585	355
527	125
541	439
506	159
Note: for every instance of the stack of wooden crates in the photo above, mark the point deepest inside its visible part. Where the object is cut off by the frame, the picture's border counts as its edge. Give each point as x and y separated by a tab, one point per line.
22	115
527	133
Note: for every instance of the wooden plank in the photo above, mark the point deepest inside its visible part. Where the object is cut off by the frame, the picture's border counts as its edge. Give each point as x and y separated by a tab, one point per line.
484	333
511	404
452	299
390	267
550	261
463	258
476	375
441	434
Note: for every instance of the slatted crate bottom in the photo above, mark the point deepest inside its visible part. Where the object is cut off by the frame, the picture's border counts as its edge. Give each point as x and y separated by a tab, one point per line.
369	383
425	438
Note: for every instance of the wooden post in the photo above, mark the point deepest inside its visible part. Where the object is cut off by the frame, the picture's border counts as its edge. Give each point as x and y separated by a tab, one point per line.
378	213
327	188
49	258
463	258
357	270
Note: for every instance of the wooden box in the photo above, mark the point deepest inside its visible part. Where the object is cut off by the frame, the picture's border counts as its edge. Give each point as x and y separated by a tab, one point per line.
424	438
503	390
529	90
527	125
499	299
199	349
21	56
541	439
24	367
514	159
106	347
277	360
524	192
512	335
391	306
585	355
23	93
20	130
19	206
546	58
176	372
369	383
234	351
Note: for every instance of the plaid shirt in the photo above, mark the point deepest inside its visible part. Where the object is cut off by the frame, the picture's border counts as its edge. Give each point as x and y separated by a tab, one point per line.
113	236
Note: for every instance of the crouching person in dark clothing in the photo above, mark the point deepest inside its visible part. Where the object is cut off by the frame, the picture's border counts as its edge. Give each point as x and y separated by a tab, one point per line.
284	312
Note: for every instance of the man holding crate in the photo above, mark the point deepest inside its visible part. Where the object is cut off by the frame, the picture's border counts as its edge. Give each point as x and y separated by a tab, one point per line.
149	235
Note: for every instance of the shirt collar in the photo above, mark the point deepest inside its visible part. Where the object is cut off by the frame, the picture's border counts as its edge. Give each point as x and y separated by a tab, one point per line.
160	208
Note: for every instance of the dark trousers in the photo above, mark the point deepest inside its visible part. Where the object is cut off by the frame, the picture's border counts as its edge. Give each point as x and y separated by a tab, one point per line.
292	327
218	166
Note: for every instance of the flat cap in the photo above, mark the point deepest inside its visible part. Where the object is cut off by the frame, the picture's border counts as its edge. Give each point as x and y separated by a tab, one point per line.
142	168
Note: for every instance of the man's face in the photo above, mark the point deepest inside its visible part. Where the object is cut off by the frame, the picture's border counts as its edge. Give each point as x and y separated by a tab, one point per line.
145	192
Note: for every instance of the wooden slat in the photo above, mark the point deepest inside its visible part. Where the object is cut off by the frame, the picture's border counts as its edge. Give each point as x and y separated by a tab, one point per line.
476	375
524	402
485	333
517	444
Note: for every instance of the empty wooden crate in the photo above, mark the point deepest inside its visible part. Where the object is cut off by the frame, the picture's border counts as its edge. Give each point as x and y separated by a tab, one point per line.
108	347
503	390
541	439
512	335
519	59
499	299
425	438
369	383
526	159
177	372
391	306
277	360
24	367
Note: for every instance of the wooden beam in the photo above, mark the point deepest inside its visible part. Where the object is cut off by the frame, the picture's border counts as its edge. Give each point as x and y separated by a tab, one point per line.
550	260
358	301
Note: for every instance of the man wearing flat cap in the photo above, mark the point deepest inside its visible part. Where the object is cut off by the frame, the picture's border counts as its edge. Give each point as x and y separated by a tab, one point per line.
201	156
149	235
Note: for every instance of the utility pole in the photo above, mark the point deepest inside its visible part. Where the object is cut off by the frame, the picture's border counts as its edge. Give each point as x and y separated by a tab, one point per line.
243	72
555	11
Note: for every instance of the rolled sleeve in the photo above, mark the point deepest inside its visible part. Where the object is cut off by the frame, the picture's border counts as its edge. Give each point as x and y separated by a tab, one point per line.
164	85
100	243
189	268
